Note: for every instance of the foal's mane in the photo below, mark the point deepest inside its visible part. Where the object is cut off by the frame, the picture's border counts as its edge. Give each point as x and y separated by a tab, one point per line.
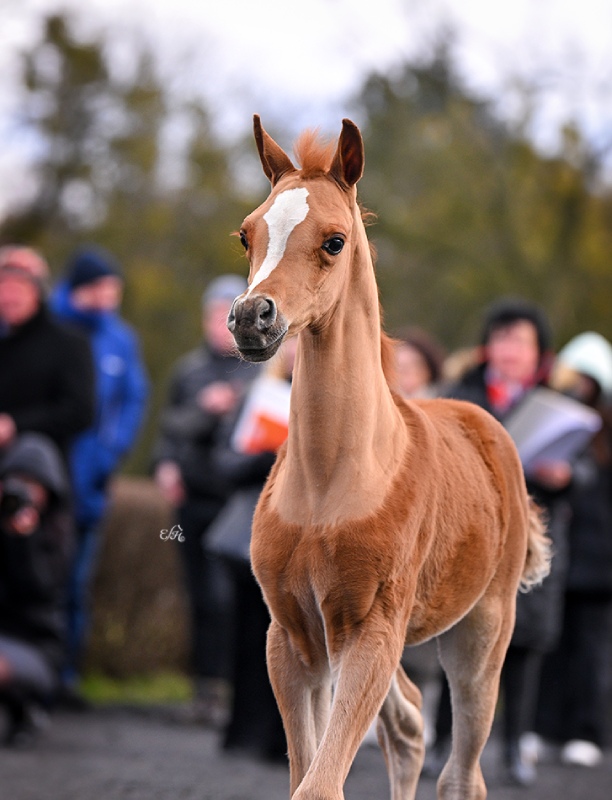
313	153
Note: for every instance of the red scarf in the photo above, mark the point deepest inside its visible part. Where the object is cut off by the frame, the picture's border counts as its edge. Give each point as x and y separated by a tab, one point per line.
502	395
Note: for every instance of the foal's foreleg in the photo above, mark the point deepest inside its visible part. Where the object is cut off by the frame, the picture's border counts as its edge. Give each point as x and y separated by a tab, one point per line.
400	733
303	695
364	671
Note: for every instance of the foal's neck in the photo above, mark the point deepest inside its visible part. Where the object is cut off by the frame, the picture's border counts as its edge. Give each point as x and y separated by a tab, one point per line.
346	435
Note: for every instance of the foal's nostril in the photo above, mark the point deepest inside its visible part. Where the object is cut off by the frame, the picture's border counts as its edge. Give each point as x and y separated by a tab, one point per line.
266	313
231	317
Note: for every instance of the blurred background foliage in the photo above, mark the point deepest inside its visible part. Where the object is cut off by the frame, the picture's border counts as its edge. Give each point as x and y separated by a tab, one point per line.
466	208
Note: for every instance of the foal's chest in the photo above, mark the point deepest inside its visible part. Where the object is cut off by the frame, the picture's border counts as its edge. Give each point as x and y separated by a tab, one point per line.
319	584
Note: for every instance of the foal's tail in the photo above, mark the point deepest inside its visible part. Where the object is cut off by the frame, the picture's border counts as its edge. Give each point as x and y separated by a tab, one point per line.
539	553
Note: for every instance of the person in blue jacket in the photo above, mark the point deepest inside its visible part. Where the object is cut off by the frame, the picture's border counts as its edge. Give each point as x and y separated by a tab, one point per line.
89	298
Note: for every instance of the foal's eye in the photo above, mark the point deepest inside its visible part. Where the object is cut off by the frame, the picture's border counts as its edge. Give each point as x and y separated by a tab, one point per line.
243	240
334	245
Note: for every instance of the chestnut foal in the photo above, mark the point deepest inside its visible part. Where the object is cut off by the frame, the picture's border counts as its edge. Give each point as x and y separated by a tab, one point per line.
383	522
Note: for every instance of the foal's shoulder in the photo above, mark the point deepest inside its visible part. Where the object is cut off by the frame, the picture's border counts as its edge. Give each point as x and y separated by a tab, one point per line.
461	414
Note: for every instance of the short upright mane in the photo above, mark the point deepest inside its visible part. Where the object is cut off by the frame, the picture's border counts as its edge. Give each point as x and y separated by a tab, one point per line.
313	153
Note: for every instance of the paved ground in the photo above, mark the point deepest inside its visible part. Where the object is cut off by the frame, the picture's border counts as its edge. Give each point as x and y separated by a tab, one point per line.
124	755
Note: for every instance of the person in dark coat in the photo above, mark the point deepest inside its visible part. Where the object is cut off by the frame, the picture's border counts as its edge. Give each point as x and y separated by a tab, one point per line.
36	541
46	369
515	350
207	385
255	726
575	688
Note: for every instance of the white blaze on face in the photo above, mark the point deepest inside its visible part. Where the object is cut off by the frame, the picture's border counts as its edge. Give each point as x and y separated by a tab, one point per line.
288	210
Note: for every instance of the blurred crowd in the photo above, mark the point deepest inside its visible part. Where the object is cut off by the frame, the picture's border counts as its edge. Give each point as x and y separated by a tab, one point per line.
73	397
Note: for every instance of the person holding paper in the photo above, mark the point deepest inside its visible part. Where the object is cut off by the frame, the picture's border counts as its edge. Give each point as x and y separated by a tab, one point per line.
575	689
255	726
515	359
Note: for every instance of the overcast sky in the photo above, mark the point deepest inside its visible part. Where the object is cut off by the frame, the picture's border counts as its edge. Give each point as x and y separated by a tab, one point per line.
307	57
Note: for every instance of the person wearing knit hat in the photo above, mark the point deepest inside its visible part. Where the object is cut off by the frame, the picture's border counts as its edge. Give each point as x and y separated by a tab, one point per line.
205	390
89	298
90	264
225	287
217	301
589	354
94	281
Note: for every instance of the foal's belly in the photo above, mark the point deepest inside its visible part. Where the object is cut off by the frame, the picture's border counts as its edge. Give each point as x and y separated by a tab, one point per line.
437	608
422	627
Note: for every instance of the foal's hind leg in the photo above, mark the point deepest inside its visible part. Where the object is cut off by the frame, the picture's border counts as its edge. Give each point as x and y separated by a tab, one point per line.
472	654
400	733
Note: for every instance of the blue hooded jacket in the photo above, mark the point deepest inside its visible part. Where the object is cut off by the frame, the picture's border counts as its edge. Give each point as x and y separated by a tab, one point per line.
121	394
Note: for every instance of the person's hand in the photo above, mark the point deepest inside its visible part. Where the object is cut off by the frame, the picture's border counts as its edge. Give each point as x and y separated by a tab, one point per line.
218	398
8	430
170	482
553	475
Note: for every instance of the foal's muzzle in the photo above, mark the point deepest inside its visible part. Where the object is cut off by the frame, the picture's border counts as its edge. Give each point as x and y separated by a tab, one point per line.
257	326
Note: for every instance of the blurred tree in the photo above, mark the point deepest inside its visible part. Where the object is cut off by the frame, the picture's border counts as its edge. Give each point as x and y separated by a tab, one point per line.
469	210
122	163
67	104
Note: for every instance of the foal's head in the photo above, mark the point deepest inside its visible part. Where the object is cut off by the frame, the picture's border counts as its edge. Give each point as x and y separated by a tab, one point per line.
300	242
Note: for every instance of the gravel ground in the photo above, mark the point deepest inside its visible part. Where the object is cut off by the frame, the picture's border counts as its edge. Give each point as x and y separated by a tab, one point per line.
122	754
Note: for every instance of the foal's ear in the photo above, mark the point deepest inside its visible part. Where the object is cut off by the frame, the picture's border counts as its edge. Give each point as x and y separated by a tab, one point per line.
274	160
347	166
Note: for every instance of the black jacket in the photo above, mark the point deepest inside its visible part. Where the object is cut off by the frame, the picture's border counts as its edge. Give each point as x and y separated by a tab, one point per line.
187	433
590	534
34	568
47	379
